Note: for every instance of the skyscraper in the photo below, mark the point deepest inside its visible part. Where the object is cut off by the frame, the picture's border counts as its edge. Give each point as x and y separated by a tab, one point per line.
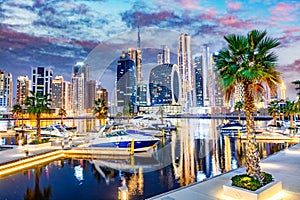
197	64
84	95
164	85
6	90
136	56
186	71
41	80
126	81
23	89
61	93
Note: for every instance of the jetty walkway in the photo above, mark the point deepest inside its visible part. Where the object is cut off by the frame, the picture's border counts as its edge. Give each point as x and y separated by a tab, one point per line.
284	166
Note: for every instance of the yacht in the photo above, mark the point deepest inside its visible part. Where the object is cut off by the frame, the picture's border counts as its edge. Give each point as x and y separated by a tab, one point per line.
232	127
55	130
119	138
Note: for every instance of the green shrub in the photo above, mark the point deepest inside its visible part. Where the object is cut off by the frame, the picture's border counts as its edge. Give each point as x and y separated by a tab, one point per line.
250	183
39	141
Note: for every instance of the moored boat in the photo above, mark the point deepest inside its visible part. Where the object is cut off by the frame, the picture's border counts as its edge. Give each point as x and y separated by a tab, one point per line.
119	138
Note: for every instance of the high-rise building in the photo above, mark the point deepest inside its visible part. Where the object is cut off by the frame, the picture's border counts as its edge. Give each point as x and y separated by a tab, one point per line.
197	64
126	81
141	97
136	56
41	80
90	95
61	93
164	85
23	89
77	82
186	72
164	56
101	93
206	65
84	95
6	87
57	92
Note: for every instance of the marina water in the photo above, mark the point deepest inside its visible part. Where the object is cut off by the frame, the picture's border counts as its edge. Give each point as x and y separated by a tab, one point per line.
196	152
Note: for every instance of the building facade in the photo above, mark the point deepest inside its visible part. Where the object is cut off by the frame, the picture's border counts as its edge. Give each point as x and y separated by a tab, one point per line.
164	85
187	98
6	90
41	80
197	64
126	81
23	89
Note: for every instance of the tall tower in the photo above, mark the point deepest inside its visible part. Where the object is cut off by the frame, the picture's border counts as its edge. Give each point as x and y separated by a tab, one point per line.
186	71
41	80
80	77
23	88
197	64
126	81
164	56
136	56
6	90
61	93
205	74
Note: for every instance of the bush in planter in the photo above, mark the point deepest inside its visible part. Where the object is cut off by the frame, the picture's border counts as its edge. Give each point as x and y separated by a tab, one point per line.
250	183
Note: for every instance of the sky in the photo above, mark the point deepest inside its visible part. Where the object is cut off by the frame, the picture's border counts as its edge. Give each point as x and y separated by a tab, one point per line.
60	33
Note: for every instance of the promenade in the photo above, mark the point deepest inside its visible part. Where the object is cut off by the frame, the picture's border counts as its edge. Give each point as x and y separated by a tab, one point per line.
284	166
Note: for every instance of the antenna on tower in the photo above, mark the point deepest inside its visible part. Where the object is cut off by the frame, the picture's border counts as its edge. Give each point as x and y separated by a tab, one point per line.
139	38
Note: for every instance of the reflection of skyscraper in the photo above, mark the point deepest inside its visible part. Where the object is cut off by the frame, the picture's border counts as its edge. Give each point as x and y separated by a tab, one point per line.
5	89
126	81
186	71
164	85
23	88
41	80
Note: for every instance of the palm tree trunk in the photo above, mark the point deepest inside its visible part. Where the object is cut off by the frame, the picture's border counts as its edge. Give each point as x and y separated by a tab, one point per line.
252	153
274	120
38	126
292	121
239	115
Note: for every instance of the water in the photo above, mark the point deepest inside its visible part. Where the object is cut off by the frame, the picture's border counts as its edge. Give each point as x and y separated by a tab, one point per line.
197	152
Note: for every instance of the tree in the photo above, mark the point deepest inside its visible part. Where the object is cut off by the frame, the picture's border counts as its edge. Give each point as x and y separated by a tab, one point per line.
62	113
274	111
100	110
248	60
36	105
126	111
290	109
17	110
297	82
239	106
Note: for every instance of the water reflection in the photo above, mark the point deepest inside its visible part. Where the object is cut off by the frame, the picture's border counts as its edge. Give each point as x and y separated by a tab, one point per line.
195	153
36	192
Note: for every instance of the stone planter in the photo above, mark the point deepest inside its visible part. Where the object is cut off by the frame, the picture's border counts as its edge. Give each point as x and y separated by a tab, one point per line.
264	192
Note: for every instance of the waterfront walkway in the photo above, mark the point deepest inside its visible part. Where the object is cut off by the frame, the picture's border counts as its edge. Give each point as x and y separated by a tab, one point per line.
284	166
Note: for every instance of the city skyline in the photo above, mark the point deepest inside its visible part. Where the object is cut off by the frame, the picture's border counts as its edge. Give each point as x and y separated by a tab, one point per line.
59	34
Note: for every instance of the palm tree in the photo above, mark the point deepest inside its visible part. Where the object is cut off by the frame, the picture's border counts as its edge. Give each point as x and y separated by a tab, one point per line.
290	109
239	106
62	113
297	82
36	105
17	110
274	111
248	60
126	111
100	109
